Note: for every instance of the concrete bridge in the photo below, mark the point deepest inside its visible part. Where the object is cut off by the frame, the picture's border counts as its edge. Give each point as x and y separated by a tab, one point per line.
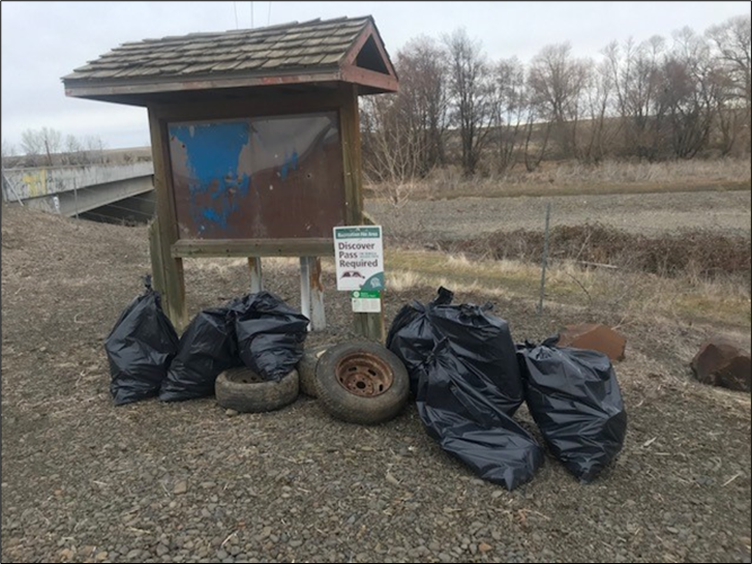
98	191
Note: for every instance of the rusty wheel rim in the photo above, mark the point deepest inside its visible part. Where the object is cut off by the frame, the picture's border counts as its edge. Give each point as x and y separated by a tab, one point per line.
364	374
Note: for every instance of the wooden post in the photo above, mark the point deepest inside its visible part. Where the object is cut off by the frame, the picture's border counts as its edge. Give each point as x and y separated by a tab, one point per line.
172	268
312	292
257	283
350	133
369	325
372	325
155	251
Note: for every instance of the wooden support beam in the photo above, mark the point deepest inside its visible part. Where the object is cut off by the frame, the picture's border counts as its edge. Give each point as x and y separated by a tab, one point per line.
312	292
369	325
171	267
252	247
349	123
157	260
257	283
367	77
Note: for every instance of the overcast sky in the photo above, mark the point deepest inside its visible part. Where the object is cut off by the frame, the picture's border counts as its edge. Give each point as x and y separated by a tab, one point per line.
42	41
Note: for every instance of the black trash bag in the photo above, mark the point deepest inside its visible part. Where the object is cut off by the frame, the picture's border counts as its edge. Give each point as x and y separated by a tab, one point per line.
483	342
206	349
479	338
139	348
456	412
575	399
270	334
412	335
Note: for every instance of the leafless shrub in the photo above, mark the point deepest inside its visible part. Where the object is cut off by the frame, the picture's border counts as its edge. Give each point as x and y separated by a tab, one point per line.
696	253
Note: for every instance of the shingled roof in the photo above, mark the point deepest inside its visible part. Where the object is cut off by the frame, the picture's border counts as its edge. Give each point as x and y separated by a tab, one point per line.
344	49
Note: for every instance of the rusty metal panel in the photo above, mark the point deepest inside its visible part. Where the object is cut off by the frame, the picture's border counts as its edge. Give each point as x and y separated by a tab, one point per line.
258	178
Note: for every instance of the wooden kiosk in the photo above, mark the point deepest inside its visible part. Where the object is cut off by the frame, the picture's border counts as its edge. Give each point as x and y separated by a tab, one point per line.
256	143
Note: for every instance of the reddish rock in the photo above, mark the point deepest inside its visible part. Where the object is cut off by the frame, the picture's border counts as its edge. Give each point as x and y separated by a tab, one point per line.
595	337
721	363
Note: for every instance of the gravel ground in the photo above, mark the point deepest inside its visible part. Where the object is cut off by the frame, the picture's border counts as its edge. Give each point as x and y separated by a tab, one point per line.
84	481
651	214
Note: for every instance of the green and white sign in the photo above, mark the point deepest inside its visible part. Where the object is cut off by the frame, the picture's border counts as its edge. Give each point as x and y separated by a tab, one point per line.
359	258
365	301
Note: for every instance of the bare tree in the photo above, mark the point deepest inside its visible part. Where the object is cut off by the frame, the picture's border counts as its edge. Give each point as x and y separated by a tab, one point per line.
535	152
470	96
45	141
557	81
687	93
422	67
508	110
94	147
393	146
597	136
731	49
637	78
73	150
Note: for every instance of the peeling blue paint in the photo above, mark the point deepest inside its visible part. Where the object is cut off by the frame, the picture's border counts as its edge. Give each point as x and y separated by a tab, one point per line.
212	153
290	163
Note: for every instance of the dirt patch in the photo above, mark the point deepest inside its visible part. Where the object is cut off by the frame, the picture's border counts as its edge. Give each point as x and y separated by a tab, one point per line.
149	482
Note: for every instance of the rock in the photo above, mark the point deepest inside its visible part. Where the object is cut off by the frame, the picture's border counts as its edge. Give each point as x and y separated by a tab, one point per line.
101	556
596	337
231	412
66	554
484	547
391	479
87	551
162	550
719	362
181	487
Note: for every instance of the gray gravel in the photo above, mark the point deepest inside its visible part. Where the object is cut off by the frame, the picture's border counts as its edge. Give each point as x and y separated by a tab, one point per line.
86	482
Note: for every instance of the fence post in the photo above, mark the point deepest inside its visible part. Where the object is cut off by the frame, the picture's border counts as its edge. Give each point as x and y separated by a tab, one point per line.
544	260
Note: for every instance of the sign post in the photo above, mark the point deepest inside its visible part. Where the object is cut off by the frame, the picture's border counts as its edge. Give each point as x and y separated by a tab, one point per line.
359	260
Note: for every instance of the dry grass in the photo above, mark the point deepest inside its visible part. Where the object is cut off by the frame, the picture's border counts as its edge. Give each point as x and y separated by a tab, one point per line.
691	252
630	295
572	178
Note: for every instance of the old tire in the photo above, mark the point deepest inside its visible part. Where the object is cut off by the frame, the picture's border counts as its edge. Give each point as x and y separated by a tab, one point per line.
307	369
244	391
361	382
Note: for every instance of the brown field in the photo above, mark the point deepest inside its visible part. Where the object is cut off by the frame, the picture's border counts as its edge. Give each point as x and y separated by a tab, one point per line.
654	213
